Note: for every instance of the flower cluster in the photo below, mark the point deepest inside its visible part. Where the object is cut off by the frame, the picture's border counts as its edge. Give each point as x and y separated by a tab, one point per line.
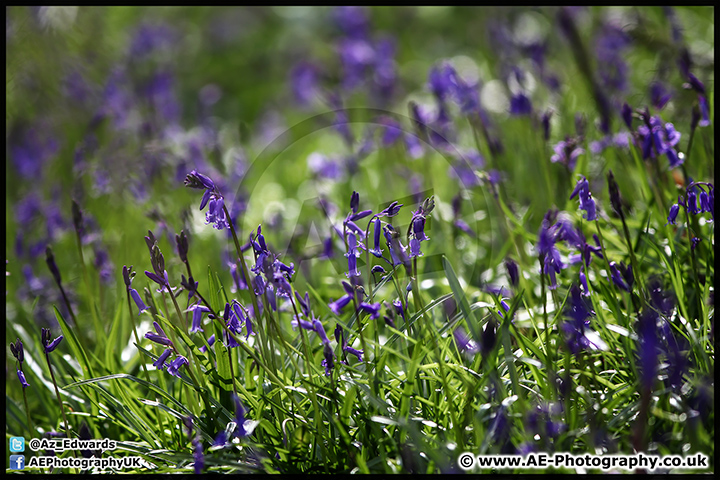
695	204
582	189
128	276
19	353
273	277
161	338
212	198
566	152
658	138
416	232
50	345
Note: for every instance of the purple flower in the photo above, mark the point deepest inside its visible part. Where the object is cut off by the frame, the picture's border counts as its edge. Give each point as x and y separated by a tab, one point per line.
352	351
464	343
520	105
338	305
174	366
240	430
21	377
159	337
549	254
18	351
618	276
197	310
627	115
391	210
373	309
578	334
513	273
582	188
138	301
211	342
198	457
442	80
304	81
566	152
50	260
648	346
160	362
659	95
320	330
49	345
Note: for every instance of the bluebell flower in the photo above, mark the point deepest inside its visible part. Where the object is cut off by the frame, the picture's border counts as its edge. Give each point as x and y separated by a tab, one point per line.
464	343
21	377
159	337
620	275
648	347
549	254
582	188
566	152
240	420
672	216
659	95
373	309
160	362
211	342
138	301
49	345
578	335
305	82
197	310
174	366
338	305
198	456
18	350
377	228
329	360
221	439
627	115
512	270
520	105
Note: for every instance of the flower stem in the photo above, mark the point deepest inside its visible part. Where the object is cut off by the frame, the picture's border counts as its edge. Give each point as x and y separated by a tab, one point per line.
57	392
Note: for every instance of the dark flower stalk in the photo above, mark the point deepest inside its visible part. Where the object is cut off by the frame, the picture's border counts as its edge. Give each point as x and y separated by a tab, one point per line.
50	345
616	202
79	228
128	276
19	353
50	260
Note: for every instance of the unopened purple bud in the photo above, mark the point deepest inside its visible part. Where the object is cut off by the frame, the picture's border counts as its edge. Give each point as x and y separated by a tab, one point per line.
329	361
128	275
372	308
627	115
182	245
513	273
17	350
354	201
77	217
50	259
614	191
